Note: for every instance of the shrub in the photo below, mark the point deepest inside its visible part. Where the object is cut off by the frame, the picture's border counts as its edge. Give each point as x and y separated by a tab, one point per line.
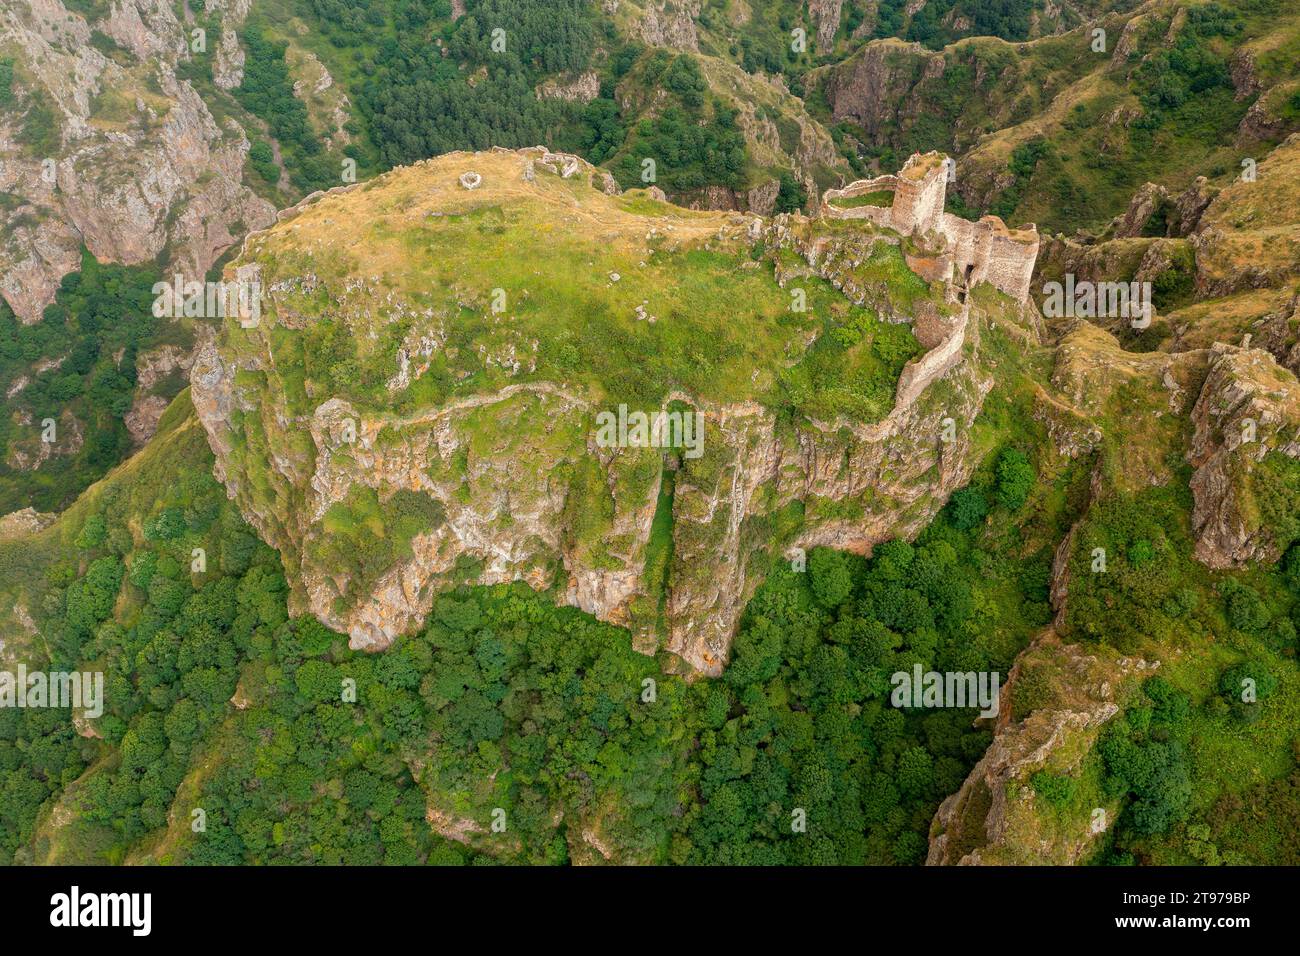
967	508
1015	476
828	573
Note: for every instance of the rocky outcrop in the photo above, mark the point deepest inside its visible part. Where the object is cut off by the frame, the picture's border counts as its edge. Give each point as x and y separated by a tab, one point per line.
582	88
671	23
139	165
228	68
1248	410
1279	333
512	477
28	521
878	85
1055	703
1176	216
826	14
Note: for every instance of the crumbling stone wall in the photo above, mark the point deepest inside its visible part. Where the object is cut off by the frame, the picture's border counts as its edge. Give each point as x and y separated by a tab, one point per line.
944	336
987	251
972	252
880	215
919	198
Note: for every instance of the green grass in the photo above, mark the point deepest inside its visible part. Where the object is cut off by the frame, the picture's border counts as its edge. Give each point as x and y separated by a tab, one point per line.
880	197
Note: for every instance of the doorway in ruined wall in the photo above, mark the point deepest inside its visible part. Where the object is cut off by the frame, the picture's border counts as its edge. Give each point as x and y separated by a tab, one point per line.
963	287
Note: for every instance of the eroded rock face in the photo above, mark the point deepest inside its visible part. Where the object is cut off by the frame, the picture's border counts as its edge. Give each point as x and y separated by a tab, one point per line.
582	88
750	472
1181	213
1279	333
152	368
509	478
877	86
1053	707
140	164
1248	410
671	24
826	14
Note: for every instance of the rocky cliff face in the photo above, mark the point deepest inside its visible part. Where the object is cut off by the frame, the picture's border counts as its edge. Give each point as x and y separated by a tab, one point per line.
1246	428
133	163
877	86
1058	698
377	500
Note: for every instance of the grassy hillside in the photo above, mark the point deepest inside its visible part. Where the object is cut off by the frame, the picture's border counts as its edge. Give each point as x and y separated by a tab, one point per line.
553	280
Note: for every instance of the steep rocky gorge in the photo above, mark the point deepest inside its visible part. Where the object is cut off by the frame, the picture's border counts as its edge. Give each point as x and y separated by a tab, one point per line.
134	166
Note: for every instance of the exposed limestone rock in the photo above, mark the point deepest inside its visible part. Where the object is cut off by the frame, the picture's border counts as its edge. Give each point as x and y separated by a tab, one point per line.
1148	200
176	181
1189	206
1248	408
142	419
228	67
1052	707
501	464
582	89
1244	72
671	23
878	85
826	14
27	521
761	200
1279	333
1182	212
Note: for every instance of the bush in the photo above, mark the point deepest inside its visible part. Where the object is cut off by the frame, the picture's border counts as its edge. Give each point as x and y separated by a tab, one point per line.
967	508
1246	609
1056	790
6	81
828	573
1015	476
1248	677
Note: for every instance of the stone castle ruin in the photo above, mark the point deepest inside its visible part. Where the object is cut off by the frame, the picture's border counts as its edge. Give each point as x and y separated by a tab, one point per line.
911	203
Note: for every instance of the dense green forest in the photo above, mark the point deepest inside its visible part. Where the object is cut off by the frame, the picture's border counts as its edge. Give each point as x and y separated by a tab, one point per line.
426	84
76	366
537	711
